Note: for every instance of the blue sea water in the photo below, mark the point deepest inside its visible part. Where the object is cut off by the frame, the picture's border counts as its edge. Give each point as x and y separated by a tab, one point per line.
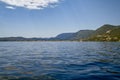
59	60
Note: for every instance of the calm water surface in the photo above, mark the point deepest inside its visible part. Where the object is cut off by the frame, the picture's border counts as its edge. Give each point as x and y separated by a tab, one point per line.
59	60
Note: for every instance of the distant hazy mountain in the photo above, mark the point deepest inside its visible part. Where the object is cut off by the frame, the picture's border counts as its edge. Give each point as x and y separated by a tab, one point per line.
104	33
65	36
24	39
83	34
12	39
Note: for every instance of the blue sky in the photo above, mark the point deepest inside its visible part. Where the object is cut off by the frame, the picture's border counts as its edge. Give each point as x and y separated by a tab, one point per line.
58	17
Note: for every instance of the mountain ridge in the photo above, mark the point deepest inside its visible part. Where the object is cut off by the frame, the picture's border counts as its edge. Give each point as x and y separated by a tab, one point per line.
106	32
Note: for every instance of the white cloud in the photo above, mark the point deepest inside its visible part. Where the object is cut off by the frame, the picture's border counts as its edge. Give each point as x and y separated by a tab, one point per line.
30	4
10	7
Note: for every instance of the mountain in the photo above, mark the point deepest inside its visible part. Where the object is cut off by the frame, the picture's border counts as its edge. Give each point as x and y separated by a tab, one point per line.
103	29
104	33
83	34
65	36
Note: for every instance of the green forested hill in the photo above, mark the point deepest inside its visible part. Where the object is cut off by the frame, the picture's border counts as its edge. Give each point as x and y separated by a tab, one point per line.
106	33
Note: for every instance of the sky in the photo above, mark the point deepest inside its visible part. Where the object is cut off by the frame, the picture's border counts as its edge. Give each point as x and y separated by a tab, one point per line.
48	18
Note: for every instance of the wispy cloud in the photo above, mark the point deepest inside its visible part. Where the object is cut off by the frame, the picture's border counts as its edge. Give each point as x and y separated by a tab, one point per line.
10	7
30	4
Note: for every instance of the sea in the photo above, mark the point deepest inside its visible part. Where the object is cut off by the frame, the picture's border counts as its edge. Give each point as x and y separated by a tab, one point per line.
59	60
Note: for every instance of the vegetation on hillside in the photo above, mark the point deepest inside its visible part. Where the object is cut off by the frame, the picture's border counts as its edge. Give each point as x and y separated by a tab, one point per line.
104	33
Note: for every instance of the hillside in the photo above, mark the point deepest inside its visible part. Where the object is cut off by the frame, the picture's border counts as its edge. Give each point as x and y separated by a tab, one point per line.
83	34
104	33
65	36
